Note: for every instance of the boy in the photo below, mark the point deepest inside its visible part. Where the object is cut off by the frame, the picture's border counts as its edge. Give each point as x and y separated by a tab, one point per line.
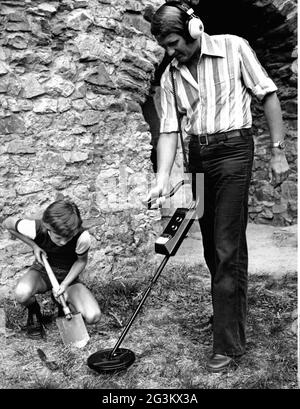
59	235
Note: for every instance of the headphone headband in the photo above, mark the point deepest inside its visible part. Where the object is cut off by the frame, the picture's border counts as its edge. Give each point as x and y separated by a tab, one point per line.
194	25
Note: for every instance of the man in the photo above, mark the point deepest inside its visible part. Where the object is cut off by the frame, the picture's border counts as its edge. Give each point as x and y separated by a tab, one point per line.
215	77
149	109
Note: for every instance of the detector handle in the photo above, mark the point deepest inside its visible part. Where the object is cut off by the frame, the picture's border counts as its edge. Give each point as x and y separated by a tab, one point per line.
172	192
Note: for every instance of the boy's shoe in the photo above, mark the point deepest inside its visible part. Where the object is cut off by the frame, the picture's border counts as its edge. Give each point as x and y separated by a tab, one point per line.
36	331
35	326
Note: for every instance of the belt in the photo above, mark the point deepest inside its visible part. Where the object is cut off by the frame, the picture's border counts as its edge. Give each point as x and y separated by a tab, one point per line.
206	139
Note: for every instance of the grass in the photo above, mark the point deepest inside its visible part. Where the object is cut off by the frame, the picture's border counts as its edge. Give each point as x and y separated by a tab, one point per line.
169	336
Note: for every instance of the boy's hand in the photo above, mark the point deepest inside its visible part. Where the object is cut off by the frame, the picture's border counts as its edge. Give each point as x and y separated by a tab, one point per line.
62	288
37	251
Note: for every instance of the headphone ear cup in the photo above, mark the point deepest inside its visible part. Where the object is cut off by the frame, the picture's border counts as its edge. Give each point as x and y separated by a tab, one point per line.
195	27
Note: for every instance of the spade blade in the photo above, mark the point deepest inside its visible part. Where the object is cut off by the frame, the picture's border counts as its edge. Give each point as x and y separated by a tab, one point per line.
73	332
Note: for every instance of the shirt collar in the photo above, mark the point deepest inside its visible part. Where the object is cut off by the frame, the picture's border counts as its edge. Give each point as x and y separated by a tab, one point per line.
209	46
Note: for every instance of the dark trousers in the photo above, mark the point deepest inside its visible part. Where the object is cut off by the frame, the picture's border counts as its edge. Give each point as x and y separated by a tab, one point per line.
227	169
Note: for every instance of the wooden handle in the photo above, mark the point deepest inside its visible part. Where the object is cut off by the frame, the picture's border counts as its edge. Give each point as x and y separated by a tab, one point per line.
50	273
55	286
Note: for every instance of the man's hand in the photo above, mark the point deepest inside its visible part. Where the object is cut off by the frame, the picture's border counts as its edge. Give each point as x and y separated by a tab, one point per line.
278	169
37	251
159	191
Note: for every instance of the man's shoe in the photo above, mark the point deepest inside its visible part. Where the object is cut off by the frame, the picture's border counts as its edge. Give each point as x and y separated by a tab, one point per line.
218	362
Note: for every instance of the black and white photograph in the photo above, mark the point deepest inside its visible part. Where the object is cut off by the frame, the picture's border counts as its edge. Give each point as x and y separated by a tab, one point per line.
148	198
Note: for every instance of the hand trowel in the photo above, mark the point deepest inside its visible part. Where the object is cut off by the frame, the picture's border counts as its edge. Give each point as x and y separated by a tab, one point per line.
71	327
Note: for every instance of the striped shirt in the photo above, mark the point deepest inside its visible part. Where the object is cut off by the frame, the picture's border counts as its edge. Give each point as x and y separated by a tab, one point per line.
228	75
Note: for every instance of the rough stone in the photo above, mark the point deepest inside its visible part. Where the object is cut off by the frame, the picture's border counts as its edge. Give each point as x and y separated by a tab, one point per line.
18	42
290	107
279	208
4	68
29	187
65	66
80	3
100	77
15	16
2	322
288	190
79	20
51	162
73	157
139	62
31	87
80	105
78	130
36	123
80	90
12	125
91	47
19	26
3	85
59	86
89	117
20	105
266	192
21	147
63	104
294	67
43	57
44	9
65	120
45	105
136	22
2	54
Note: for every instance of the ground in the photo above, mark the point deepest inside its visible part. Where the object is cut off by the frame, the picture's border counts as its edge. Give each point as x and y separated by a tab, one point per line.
170	337
272	249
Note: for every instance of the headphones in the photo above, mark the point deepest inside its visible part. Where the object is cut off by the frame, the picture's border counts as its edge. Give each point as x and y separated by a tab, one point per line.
194	26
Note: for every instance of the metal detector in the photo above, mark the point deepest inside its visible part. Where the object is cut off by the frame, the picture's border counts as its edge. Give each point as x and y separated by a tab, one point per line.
167	244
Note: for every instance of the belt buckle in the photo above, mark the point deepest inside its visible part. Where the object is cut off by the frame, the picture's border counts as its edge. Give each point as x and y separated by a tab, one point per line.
205	141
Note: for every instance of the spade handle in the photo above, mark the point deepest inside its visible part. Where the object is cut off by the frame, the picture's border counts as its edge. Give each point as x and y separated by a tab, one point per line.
55	287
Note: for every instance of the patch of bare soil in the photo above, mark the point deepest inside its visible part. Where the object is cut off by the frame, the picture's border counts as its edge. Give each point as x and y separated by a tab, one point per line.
170	337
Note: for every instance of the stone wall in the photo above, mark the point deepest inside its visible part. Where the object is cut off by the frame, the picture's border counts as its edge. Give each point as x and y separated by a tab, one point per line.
73	77
275	42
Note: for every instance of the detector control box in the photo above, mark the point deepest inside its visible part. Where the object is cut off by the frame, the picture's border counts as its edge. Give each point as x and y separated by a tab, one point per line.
175	231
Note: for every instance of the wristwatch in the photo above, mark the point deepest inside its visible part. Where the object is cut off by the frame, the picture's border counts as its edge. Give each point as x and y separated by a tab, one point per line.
279	145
